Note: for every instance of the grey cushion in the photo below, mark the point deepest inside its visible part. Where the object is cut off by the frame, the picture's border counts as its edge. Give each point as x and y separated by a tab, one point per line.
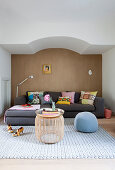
76	107
20	113
22	121
54	95
24	113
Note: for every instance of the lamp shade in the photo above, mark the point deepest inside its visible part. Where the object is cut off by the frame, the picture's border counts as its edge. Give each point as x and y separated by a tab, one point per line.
31	77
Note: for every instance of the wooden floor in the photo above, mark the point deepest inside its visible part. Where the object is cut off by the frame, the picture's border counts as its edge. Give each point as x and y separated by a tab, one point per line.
108	125
71	164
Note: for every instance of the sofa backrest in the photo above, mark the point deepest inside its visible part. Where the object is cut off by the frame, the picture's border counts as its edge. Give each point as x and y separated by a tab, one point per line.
56	95
77	97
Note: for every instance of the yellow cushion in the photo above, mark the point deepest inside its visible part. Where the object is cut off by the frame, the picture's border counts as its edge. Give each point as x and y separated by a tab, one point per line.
63	102
85	95
88	97
93	93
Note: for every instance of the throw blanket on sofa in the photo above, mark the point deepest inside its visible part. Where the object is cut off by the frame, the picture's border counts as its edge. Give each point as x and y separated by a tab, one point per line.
20	107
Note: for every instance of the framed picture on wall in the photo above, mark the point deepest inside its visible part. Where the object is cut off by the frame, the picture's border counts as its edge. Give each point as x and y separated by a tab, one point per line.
47	68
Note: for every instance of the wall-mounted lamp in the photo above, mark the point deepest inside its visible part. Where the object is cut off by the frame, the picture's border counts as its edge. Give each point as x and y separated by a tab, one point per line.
29	77
90	72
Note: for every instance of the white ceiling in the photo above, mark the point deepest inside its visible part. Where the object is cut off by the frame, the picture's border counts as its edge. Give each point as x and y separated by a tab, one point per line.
74	44
85	26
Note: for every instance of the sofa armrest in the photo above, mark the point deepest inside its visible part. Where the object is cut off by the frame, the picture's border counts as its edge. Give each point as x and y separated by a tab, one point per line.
20	100
99	105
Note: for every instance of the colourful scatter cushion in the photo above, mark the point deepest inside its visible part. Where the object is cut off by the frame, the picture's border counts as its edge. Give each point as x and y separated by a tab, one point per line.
27	105
33	97
71	94
64	100
87	101
46	99
85	95
88	97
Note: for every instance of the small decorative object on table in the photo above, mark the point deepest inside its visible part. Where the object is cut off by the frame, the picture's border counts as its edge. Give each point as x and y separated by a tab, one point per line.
49	125
53	106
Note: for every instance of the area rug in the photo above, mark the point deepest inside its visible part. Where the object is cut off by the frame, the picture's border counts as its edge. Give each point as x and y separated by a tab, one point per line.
74	144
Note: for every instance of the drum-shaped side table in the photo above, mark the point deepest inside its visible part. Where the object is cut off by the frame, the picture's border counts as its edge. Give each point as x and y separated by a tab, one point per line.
49	128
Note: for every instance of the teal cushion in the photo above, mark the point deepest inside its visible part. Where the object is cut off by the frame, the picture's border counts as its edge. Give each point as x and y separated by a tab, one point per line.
86	122
30	97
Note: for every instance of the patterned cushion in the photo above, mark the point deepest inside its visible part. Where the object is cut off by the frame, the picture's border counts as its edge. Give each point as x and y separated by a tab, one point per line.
71	94
46	99
88	97
87	101
85	95
53	95
33	97
64	100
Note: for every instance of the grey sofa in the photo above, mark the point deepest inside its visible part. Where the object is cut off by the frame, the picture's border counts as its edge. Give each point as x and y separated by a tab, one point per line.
17	117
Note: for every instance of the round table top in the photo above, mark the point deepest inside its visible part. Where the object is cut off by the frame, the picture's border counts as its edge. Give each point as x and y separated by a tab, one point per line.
49	113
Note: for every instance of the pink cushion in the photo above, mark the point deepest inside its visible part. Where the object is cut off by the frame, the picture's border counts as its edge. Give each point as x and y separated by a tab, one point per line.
70	94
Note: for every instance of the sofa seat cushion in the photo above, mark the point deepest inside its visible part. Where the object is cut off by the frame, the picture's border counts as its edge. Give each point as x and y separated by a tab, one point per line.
20	113
76	107
24	113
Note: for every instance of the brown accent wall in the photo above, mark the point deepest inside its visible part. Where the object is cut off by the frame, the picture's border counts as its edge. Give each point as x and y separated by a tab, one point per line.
69	71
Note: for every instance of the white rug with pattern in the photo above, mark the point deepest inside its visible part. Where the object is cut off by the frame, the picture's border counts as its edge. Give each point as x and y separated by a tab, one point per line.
74	144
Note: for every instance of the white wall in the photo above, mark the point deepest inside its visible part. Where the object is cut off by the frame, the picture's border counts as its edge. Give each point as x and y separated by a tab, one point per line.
108	78
5	77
